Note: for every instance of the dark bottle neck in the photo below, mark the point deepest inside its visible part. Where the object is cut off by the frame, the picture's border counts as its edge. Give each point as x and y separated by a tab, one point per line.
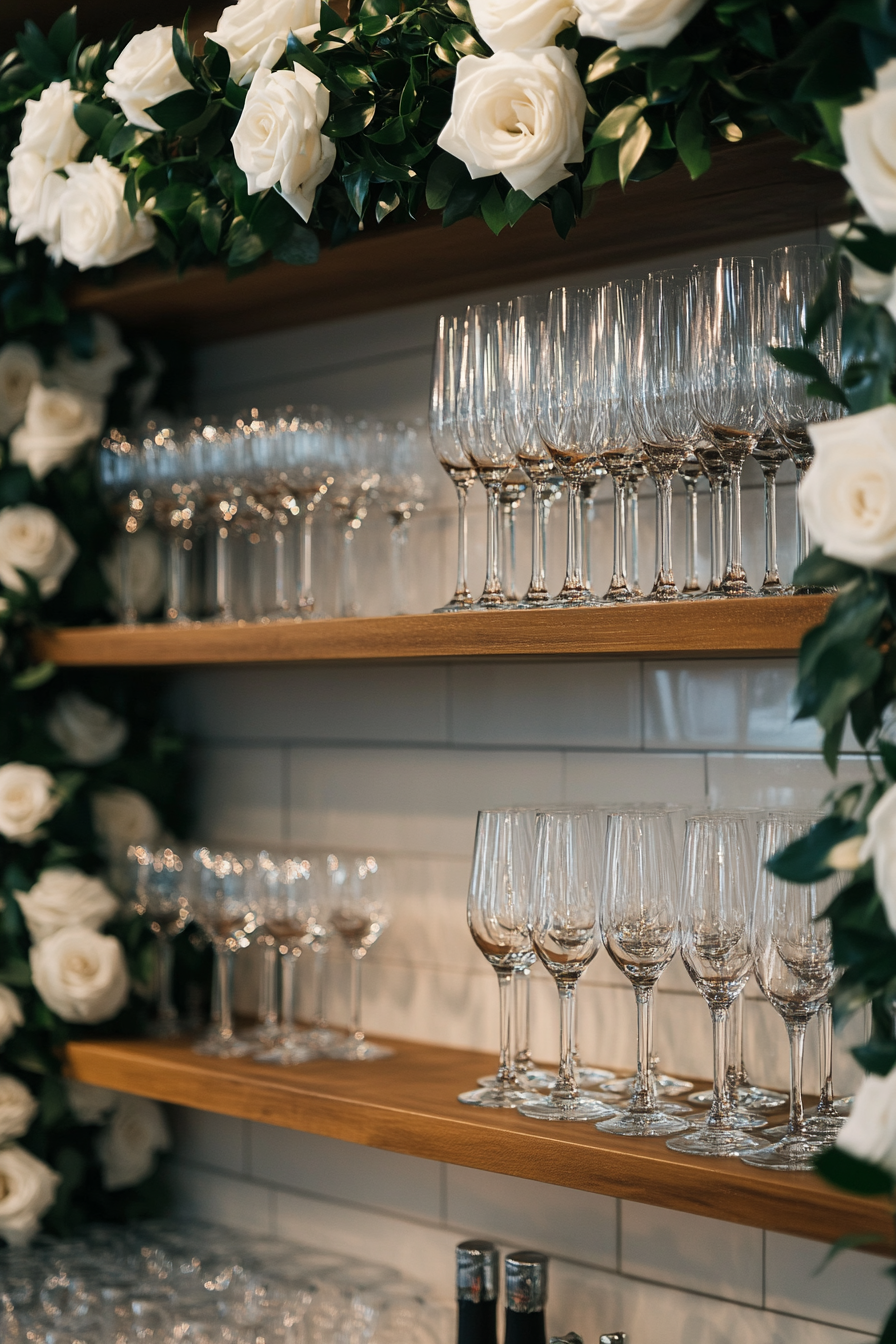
524	1327
477	1322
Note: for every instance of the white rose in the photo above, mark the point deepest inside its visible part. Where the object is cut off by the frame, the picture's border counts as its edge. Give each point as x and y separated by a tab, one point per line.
49	127
867	284
27	1189
145	73
88	1104
27	799
254	32
870	1130
95	225
636	23
11	1015
88	733
17	1108
127	1147
123	817
35	201
848	497
94	377
512	25
64	896
57	425
80	974
278	137
880	845
145	551
517	113
19	368
869	141
33	540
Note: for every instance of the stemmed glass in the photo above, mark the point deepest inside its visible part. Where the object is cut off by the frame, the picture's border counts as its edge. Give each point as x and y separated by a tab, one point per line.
567	415
770	453
617	314
401	491
283	901
639	919
794	966
565	928
121	479
480	426
223	460
359	918
729	363
355	478
161	894
826	1118
446	445
512	492
690	472
308	443
714	908
172	465
498	914
223	902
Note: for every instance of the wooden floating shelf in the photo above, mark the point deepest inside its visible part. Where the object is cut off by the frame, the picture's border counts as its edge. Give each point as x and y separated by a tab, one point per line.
752	190
408	1104
748	627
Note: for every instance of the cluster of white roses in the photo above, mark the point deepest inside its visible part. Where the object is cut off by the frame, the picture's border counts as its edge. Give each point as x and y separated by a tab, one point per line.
521	111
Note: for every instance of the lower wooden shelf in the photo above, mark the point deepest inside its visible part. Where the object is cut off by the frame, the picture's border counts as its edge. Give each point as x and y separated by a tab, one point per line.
408	1104
746	627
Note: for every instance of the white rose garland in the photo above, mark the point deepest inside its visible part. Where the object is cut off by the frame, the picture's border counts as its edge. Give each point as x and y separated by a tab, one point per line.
254	32
123	817
80	974
880	845
848	496
33	540
20	368
867	129
94	377
870	1129
95	225
636	23
513	25
11	1015
17	1108
57	425
278	139
49	128
27	799
146	73
62	897
27	1189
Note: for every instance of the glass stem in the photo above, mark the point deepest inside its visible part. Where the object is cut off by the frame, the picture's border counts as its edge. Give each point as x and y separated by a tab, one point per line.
492	542
224	965
566	1088
587	530
281	594
267	997
287	992
398	556
320	989
772	577
665	580
126	609
349	603
304	534
716	531
176	604
462	590
796	1032
574	582
642	1099
167	1011
506	1076
223	574
825	1060
802	532
619	583
538	584
734	571
691	582
355	1001
718	1111
631	494
522	1059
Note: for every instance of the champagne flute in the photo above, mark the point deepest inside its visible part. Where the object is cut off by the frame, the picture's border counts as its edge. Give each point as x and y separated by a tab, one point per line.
446	445
565	928
223	906
284	903
161	895
120	468
640	926
360	918
617	317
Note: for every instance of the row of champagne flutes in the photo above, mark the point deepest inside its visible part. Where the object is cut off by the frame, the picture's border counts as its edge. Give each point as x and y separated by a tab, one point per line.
236	507
668	377
187	1283
557	884
288	905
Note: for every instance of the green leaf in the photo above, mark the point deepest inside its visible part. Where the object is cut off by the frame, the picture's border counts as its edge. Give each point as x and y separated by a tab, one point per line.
824	571
301	248
853	1241
92	119
465	198
297	51
349	120
38	54
617	122
609	61
852	1173
800	361
182	55
64	34
876	1056
387	201
604	166
887	751
16	972
692	138
444	174
357	185
179	110
631	147
563	211
492	208
806	859
34	676
516	204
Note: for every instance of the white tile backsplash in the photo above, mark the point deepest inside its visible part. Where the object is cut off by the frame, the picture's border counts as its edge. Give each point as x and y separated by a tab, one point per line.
853	1289
677	1249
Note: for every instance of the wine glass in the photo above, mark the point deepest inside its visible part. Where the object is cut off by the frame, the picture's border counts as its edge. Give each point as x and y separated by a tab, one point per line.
402	490
223	906
498	915
794	965
770	453
617	317
729	367
121	475
160	893
446	444
640	926
714	912
223	459
360	918
355	478
567	415
307	444
480	426
283	902
826	1118
565	930
171	464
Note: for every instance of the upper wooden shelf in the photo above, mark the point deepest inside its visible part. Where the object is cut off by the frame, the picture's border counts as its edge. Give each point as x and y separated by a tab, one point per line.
752	190
748	627
408	1104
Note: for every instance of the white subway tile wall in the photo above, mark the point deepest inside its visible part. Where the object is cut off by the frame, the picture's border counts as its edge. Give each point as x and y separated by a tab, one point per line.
394	761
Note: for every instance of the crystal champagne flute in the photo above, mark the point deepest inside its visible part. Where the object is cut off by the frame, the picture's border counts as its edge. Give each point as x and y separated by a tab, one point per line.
223	906
446	445
360	918
617	315
161	894
284	903
122	484
639	918
770	453
714	912
308	447
565	927
498	915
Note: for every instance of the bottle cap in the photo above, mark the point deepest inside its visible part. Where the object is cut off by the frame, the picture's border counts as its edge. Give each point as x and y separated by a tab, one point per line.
477	1271
526	1281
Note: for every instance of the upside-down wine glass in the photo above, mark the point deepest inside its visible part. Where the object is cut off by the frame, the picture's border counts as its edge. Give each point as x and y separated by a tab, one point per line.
714	911
497	916
446	445
797	277
161	894
794	966
480	426
565	926
223	906
566	415
284	903
360	918
639	919
729	364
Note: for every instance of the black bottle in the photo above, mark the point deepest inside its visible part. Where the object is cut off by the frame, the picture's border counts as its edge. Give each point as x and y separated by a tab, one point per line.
477	1292
525	1292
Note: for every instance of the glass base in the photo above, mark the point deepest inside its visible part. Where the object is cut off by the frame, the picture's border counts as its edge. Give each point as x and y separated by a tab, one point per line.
737	1120
791	1154
672	1107
665	1086
495	1098
642	1124
717	1143
524	1083
582	1107
165	1029
354	1049
843	1105
456	604
825	1125
285	1054
587	1076
748	1099
772	590
318	1039
222	1047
